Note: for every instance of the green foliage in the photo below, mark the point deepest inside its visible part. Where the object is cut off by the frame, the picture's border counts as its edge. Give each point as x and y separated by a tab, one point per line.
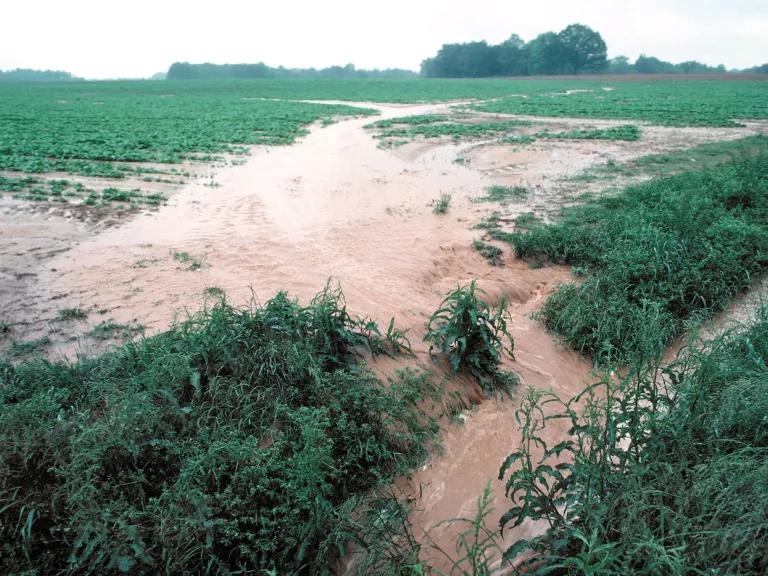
477	546
575	49
415	120
669	102
503	194
110	329
472	334
103	128
239	441
663	472
19	348
68	314
490	252
192	262
659	255
441	205
626	132
455	130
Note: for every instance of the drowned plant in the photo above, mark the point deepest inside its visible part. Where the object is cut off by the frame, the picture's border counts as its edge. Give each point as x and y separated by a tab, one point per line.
472	334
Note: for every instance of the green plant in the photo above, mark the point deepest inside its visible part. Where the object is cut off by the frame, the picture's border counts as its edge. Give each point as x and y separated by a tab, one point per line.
663	470
491	253
441	205
626	132
19	348
503	194
214	292
657	256
68	314
477	546
472	334
110	329
238	441
192	262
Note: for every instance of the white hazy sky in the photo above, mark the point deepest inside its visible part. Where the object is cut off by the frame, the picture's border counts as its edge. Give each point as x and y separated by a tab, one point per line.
107	39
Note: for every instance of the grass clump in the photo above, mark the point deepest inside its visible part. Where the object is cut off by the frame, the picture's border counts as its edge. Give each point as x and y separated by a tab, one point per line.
415	120
659	255
239	441
214	292
661	474
20	348
472	334
628	132
70	314
441	205
111	329
455	130
503	194
522	139
191	262
490	252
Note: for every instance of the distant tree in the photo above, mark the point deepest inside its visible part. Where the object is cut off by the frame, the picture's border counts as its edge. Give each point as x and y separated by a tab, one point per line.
28	75
245	71
651	65
182	71
694	67
207	71
510	57
584	49
546	54
619	65
762	69
470	60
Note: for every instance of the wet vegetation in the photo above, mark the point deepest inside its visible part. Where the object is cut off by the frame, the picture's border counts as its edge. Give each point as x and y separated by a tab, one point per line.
703	156
671	103
441	205
664	471
241	440
503	194
626	132
658	256
474	336
104	129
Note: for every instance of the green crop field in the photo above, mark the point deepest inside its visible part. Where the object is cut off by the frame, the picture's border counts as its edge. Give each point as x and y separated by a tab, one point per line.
104	129
672	103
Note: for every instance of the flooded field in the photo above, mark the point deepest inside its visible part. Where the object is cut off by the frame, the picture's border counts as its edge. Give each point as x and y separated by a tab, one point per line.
338	206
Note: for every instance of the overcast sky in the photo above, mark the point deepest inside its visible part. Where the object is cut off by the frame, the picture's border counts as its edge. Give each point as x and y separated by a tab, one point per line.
103	39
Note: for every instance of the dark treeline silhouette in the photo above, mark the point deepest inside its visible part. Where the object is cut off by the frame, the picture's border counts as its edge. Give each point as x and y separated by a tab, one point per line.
577	49
27	75
574	50
187	71
651	65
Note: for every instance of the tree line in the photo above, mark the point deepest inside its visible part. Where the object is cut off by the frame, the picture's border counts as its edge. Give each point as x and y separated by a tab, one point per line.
187	71
28	75
577	49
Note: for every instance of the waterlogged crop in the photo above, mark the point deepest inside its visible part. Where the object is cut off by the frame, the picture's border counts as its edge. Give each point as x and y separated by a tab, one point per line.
626	132
472	334
656	256
104	129
675	102
239	441
663	471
